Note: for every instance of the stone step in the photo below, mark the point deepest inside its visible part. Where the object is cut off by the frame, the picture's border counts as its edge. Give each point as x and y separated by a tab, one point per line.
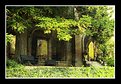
94	63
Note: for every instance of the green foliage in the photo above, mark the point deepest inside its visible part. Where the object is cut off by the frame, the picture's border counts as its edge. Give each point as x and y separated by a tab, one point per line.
14	20
13	64
102	26
8	37
60	25
85	21
107	52
109	60
16	70
20	18
93	19
102	29
65	28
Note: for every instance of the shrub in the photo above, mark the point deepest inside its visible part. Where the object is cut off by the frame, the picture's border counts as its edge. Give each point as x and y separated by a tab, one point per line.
8	37
106	53
109	60
13	64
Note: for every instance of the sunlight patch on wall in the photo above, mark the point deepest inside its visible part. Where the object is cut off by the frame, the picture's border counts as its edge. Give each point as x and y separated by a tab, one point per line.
91	50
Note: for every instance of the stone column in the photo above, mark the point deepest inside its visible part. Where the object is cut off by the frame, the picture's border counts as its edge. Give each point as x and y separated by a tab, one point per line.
68	54
78	42
23	43
29	46
78	51
49	49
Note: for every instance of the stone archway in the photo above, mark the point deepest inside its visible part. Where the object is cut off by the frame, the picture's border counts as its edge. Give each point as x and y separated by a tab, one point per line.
40	41
90	49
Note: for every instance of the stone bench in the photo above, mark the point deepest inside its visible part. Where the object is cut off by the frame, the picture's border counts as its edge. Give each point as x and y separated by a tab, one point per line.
25	59
61	63
50	63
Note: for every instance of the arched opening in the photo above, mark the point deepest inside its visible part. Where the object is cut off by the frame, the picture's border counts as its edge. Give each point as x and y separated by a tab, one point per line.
91	50
88	49
40	46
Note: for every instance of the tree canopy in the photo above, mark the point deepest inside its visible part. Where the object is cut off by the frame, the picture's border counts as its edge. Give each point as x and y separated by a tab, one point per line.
93	20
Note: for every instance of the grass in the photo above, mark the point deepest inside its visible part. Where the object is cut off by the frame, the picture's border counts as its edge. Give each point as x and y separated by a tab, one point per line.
15	70
60	72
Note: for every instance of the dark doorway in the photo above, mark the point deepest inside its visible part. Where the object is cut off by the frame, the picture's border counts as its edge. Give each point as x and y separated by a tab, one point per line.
39	46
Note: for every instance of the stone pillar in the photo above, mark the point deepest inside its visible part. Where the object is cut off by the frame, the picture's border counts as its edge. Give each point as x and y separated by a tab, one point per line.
68	54
78	42
17	47
78	51
21	45
49	49
29	46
